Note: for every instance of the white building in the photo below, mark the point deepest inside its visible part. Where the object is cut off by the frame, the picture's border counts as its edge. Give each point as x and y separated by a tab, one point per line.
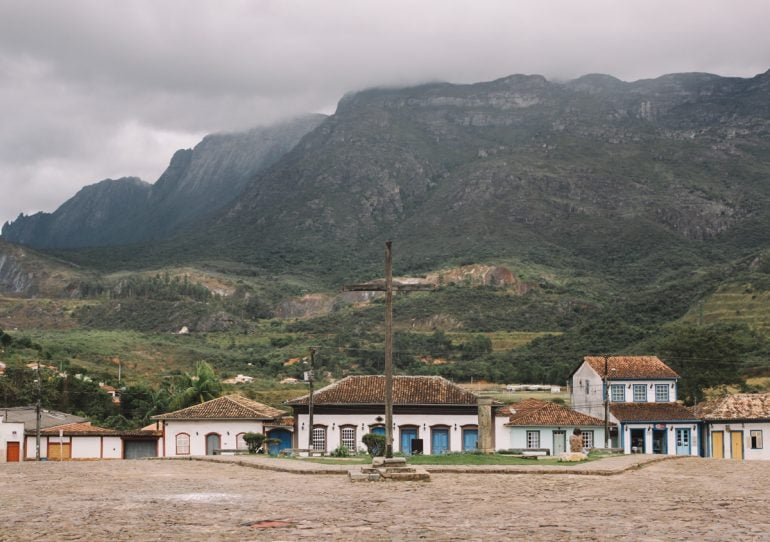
735	426
431	415
219	425
533	424
641	393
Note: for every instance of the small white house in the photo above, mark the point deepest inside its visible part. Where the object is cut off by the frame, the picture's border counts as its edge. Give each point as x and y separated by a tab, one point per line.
431	415
11	440
735	426
533	424
218	425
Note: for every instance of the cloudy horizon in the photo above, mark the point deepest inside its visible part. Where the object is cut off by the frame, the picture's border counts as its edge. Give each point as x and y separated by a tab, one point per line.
95	89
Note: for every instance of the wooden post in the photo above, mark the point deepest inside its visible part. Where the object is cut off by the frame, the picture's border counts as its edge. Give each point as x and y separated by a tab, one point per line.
388	288
388	350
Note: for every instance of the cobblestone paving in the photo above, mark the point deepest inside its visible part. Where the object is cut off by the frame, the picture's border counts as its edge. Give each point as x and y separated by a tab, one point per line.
685	499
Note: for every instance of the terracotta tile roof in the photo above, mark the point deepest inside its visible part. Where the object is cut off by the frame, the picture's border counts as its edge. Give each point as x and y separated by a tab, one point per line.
652	412
631	367
227	407
533	412
524	404
82	428
741	406
407	390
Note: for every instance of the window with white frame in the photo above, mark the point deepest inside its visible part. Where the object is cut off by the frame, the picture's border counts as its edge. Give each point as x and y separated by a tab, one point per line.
533	439
756	439
348	437
319	438
588	439
661	393
182	444
640	393
617	393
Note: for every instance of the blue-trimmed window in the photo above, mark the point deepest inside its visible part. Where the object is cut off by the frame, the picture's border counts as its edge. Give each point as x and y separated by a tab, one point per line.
533	439
661	393
756	439
640	393
617	393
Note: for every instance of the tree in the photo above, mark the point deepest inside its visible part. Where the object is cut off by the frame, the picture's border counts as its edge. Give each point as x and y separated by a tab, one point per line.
203	386
375	444
705	357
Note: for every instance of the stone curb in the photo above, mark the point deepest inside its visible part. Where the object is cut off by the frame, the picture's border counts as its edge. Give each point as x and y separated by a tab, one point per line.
436	469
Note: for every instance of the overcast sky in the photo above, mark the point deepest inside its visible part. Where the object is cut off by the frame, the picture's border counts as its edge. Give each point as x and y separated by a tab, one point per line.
104	89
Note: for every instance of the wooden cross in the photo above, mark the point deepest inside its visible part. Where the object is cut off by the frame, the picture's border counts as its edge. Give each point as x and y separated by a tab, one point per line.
388	288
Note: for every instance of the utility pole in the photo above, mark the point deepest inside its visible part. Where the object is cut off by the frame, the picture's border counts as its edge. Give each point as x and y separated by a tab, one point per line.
606	406
310	378
388	289
38	412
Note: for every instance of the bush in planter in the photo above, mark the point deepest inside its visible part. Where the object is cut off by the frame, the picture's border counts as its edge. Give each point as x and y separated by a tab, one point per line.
375	444
256	440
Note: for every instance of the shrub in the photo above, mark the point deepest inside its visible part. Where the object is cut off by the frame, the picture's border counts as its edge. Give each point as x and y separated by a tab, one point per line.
375	444
341	451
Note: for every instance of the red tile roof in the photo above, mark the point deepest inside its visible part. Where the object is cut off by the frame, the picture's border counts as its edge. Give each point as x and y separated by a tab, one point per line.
228	407
652	412
83	428
619	367
534	412
741	406
407	390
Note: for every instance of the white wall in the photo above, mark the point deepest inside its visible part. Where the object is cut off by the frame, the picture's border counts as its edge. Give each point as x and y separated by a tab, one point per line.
227	430
333	422
517	436
746	428
586	394
650	392
11	432
670	429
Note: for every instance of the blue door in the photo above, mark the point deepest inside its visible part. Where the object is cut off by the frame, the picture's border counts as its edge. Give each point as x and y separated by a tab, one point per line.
284	436
470	439
439	442
682	442
406	440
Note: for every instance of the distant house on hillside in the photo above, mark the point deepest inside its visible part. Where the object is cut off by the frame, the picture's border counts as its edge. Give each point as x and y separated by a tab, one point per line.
431	415
220	424
642	392
735	426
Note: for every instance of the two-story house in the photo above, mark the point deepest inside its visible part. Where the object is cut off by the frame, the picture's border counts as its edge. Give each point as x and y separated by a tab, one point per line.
641	396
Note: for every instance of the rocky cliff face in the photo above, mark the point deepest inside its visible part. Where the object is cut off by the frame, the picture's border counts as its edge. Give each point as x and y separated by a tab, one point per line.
27	273
587	168
197	182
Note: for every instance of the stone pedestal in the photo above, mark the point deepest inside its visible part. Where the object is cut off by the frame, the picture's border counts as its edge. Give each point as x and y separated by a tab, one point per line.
393	468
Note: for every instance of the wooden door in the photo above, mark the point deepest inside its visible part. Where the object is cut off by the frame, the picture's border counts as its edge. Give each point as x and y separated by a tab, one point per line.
212	443
736	444
718	444
12	452
559	442
59	451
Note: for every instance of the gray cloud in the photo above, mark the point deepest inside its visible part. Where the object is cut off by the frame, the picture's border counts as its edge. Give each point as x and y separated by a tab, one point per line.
91	89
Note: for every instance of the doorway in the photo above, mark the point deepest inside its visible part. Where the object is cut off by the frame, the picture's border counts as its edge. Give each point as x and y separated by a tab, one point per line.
559	442
659	441
439	440
718	444
407	435
736	444
12	452
212	443
682	442
637	441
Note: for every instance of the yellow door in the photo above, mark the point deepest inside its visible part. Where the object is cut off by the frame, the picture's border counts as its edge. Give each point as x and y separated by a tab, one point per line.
736	444
718	444
57	452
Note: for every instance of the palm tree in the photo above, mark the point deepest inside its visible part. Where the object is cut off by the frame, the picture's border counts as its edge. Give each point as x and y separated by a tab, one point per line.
203	386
